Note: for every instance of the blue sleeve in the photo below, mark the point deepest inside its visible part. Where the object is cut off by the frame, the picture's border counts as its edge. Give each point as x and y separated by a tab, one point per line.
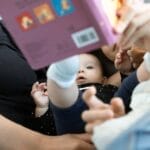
126	88
68	120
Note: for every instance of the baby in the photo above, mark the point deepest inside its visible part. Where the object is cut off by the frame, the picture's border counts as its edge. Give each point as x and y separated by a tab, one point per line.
67	80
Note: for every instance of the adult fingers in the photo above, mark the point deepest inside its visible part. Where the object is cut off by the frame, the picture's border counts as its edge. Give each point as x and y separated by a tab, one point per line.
117	107
91	100
136	23
97	114
142	32
90	126
128	12
126	15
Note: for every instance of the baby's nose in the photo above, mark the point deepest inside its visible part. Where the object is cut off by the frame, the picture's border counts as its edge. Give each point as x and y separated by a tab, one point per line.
81	70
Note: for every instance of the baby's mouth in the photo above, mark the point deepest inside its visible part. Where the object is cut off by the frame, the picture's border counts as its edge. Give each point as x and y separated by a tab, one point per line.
81	80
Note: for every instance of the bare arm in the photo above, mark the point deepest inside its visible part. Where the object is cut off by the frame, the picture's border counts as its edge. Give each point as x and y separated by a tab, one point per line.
16	137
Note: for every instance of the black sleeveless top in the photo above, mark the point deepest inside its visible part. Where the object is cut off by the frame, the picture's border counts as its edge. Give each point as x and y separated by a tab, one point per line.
16	79
104	91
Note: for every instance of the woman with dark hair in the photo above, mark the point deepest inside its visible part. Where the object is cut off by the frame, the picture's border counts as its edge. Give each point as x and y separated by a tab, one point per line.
16	79
16	104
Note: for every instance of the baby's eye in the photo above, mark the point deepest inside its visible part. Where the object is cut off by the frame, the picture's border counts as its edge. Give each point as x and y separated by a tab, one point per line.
89	67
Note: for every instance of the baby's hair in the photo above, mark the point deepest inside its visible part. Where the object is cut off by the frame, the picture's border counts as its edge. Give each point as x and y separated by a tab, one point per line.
107	65
96	53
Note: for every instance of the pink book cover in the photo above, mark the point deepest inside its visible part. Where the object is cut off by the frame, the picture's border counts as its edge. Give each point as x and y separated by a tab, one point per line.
50	30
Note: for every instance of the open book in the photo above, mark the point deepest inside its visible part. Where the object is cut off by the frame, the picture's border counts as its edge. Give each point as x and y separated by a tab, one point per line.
50	30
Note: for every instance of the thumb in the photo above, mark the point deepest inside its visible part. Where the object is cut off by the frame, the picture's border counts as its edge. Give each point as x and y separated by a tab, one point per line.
117	106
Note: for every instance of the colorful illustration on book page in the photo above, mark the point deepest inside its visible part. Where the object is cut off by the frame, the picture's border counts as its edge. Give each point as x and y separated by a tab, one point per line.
44	13
25	21
62	7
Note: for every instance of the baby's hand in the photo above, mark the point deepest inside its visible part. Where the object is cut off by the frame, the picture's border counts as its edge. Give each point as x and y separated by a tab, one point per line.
40	96
136	56
122	62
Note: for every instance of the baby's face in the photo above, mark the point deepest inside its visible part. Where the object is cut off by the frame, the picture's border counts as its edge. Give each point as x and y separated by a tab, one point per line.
90	70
